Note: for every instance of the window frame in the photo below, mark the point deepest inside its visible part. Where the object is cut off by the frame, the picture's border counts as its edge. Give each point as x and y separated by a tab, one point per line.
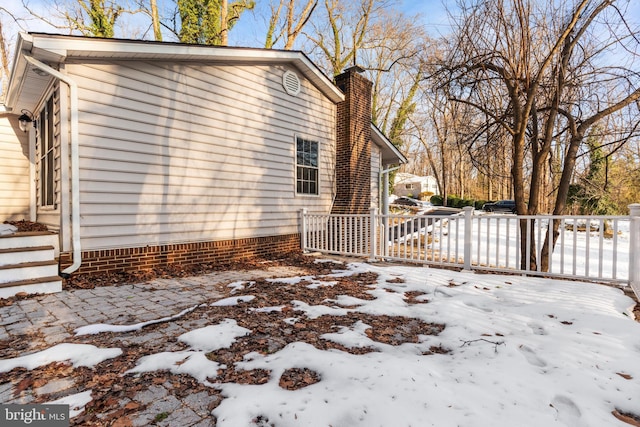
310	172
46	154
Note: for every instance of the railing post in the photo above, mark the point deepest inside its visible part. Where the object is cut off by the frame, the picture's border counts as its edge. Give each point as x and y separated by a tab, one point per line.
634	248
373	240
303	228
384	223
468	224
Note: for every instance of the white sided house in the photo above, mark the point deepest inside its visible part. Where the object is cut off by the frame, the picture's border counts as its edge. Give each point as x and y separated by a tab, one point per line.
406	184
143	153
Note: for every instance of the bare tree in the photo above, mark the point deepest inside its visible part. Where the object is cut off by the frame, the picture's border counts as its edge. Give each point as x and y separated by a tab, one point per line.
342	31
155	20
394	58
96	18
550	64
389	46
4	59
289	27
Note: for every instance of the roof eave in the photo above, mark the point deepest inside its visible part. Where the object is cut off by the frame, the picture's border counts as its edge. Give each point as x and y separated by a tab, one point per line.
51	48
18	71
390	153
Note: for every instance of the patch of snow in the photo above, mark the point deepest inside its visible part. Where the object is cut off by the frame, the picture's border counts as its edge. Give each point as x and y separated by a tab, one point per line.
352	336
227	302
7	229
324	261
78	354
214	337
238	285
315	284
347	301
76	402
194	363
291	280
315	311
268	309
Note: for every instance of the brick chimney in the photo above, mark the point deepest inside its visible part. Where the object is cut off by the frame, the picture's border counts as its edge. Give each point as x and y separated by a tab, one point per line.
353	144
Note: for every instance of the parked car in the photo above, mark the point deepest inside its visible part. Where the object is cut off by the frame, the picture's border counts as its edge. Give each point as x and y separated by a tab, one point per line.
408	201
500	206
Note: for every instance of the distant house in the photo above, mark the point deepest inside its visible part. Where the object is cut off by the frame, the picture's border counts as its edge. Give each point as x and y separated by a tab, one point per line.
143	153
410	185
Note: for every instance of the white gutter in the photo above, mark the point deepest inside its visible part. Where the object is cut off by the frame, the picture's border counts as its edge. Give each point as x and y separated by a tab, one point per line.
75	169
33	197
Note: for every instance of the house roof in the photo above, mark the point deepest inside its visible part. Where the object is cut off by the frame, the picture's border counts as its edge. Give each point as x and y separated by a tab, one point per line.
390	153
406	178
26	85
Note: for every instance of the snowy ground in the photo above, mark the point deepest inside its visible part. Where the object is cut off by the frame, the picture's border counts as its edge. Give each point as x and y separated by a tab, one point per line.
514	351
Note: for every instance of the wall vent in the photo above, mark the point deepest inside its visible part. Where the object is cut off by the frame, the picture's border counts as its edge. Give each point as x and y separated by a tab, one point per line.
291	83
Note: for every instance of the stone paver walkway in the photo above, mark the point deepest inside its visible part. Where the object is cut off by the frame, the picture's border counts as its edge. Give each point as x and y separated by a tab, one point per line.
46	320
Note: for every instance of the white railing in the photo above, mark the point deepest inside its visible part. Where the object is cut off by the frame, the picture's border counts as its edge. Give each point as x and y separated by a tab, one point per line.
593	248
337	234
430	239
602	248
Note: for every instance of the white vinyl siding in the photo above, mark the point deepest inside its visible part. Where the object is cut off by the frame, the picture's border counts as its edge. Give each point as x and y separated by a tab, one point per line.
14	179
189	152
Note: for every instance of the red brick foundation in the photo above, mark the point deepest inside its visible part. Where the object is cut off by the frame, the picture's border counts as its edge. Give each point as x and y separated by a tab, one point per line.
218	252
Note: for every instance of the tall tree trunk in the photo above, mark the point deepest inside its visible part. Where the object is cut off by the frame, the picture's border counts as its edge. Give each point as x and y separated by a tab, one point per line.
561	200
155	20
224	23
4	59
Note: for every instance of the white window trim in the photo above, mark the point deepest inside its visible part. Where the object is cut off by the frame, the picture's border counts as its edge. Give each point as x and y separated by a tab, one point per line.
40	155
295	166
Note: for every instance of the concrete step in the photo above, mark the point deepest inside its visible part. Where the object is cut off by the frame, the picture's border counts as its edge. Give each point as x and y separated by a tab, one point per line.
28	254
28	271
42	285
30	239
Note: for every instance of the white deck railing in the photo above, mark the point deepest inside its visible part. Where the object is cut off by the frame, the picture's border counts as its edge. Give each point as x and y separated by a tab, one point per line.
596	248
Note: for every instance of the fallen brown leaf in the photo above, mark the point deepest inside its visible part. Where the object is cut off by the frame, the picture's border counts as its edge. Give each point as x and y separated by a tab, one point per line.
123	422
132	405
630	419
